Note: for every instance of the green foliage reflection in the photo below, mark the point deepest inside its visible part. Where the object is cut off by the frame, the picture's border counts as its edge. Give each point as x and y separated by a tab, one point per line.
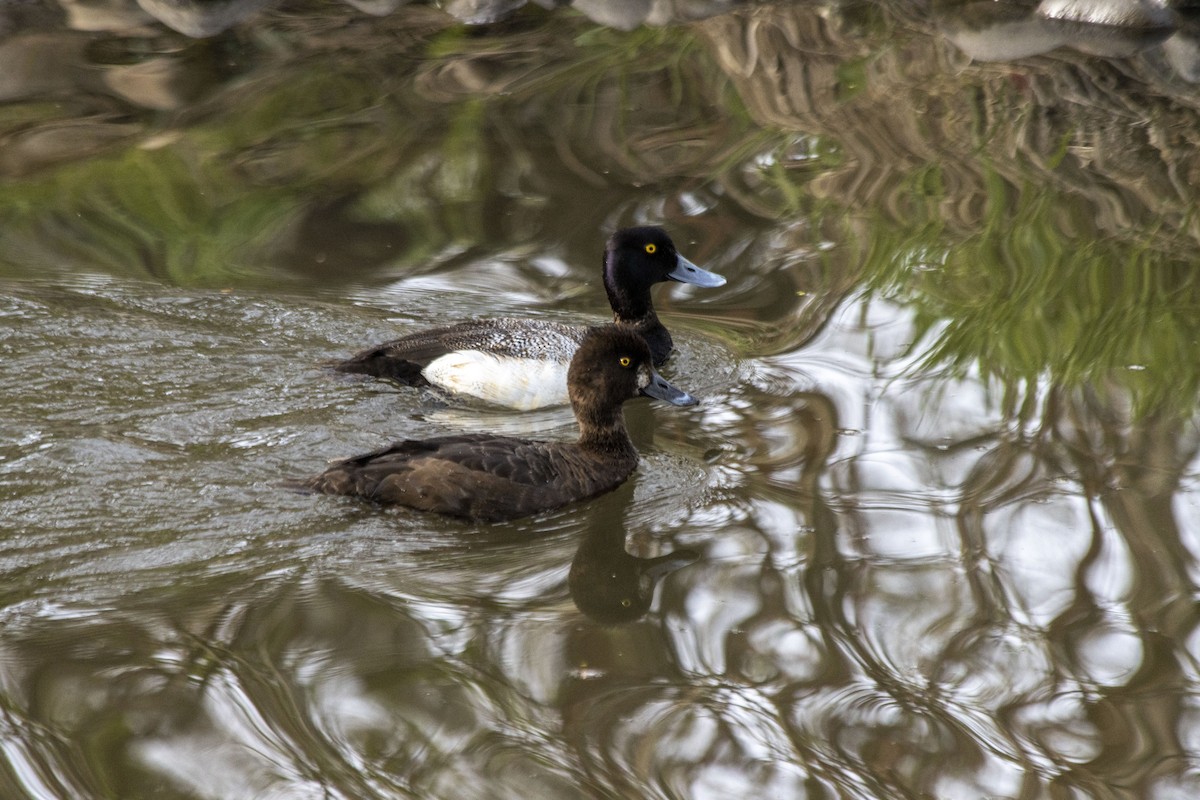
160	212
1024	300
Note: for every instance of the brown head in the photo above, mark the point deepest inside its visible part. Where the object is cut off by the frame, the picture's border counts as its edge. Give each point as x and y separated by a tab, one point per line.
612	365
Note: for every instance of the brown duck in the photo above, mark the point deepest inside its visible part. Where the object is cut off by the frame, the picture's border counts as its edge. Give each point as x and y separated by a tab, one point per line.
489	478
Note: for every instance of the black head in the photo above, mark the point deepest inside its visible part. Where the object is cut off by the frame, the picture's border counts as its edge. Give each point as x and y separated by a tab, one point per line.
613	365
637	258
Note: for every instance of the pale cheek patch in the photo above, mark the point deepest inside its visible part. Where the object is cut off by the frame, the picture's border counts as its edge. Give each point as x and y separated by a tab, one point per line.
520	383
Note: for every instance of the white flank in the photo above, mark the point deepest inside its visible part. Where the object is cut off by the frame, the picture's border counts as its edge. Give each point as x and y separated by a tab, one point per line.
520	383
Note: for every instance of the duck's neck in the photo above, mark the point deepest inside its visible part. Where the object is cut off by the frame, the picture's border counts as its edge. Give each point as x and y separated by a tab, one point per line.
653	331
603	433
630	299
630	303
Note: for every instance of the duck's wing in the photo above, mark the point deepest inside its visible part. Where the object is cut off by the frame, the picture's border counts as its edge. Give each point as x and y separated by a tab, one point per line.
479	476
508	458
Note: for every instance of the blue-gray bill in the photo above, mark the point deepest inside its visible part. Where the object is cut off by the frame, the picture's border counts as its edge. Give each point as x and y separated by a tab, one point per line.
659	389
687	272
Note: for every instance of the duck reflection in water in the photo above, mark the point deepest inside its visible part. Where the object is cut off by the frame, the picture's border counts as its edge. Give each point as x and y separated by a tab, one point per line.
611	586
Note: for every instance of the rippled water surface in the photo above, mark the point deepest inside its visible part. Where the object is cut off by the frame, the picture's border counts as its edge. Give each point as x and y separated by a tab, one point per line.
932	532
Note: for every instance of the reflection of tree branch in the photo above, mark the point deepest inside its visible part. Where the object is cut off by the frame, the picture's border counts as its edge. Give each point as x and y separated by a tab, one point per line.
1134	467
1133	471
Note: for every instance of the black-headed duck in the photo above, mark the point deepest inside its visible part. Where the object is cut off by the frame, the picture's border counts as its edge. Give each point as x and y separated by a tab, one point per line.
522	363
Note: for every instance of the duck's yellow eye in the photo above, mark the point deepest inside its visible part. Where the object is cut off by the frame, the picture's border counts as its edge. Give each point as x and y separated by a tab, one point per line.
651	248
625	361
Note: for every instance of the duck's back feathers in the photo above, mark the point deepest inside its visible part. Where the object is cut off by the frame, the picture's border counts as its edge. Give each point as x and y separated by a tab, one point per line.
505	337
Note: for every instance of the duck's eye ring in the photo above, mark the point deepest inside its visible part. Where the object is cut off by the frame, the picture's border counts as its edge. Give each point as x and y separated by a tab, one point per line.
626	361
652	248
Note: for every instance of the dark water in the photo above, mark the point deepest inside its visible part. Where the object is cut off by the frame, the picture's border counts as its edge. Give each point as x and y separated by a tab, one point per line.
936	520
